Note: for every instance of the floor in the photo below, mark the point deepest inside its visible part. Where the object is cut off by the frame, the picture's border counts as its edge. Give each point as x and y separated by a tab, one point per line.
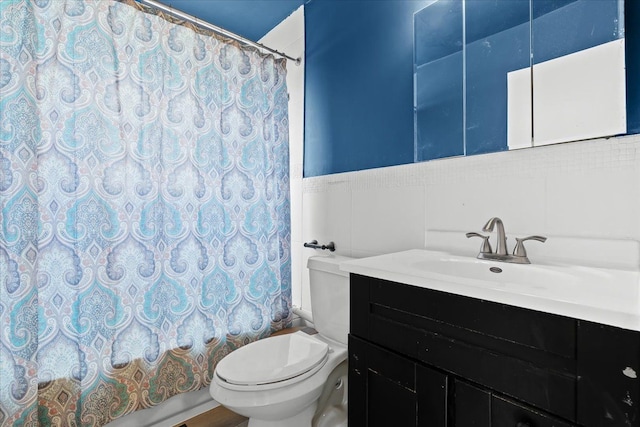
217	417
221	416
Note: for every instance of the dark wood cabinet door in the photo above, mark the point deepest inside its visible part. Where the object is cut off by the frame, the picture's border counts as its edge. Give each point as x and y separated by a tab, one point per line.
608	368
382	388
432	390
471	406
389	403
386	389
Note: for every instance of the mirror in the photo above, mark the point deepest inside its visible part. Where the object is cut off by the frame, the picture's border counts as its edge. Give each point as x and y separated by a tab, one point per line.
497	75
439	81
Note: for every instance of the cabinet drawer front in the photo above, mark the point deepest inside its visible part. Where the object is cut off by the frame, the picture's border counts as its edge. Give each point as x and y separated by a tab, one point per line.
396	336
543	388
511	414
542	331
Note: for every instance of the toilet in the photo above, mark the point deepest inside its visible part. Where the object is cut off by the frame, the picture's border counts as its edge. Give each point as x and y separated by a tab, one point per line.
295	380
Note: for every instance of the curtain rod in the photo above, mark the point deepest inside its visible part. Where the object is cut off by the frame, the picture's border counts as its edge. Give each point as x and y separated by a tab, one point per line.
216	29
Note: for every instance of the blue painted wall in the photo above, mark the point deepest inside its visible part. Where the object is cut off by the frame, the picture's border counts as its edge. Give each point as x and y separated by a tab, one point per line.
249	18
359	83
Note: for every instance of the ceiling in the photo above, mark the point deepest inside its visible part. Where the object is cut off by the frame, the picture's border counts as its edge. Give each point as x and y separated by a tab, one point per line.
251	19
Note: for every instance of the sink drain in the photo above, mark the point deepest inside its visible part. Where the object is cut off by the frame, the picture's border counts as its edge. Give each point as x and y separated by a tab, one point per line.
495	270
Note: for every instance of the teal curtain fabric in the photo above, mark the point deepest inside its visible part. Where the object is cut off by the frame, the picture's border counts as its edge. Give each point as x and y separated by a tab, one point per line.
144	208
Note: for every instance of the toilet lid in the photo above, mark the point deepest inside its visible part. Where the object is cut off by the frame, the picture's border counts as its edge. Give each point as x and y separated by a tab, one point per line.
272	360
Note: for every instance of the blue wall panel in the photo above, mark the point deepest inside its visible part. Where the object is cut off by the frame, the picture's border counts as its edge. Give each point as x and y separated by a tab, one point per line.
439	80
359	85
497	42
440	115
561	27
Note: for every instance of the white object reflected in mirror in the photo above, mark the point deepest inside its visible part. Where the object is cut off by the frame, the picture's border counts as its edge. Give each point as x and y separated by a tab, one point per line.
580	96
519	126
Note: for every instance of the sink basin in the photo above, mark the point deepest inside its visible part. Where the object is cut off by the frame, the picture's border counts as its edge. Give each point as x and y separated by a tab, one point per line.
604	295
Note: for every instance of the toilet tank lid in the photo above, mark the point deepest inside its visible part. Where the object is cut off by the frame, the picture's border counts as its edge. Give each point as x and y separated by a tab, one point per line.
328	263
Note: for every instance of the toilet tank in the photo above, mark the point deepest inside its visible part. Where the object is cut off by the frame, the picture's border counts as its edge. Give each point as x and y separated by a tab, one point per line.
329	296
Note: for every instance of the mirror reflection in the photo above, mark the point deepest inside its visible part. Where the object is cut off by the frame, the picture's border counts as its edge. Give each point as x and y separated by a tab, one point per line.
497	75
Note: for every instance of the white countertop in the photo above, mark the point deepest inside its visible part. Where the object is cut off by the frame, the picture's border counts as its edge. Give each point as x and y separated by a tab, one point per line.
604	295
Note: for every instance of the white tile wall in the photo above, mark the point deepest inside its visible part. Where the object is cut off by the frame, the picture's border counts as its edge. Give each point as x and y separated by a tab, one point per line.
581	189
379	218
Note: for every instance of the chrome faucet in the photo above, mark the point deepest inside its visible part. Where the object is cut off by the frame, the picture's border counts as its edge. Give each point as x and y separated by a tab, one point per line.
502	254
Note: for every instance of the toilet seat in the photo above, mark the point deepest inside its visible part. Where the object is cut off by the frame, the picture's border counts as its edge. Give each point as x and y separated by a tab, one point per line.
273	360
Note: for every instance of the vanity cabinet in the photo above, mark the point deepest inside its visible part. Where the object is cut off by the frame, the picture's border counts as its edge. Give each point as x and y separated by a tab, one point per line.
419	357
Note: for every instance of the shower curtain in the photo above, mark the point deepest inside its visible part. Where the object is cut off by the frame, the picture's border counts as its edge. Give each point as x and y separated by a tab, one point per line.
144	208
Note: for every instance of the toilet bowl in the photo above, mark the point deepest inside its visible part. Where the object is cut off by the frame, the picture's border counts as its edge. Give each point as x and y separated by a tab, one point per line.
295	380
284	397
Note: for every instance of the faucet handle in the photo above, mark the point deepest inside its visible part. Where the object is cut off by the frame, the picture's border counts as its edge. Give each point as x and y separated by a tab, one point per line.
519	250
486	246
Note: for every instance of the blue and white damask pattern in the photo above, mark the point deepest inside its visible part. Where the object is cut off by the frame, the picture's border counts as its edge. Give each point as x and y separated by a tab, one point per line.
144	208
